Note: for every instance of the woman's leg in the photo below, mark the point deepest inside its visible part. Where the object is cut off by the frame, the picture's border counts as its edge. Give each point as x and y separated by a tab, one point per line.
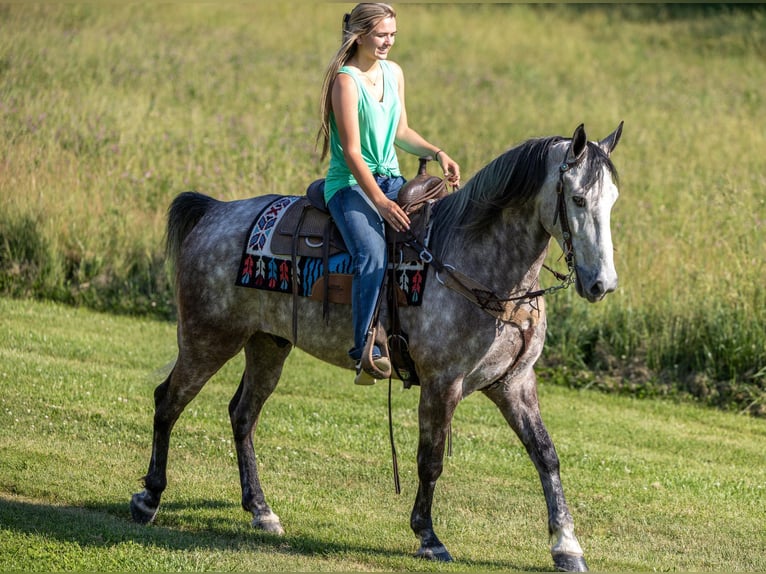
363	231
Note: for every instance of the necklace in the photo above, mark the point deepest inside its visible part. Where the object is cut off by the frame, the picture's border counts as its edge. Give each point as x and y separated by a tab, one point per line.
369	79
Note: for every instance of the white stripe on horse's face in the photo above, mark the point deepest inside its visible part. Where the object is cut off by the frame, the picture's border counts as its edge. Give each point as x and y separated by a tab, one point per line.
589	213
589	216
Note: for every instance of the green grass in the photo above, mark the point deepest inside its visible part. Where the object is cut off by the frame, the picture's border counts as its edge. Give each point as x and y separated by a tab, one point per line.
106	113
652	484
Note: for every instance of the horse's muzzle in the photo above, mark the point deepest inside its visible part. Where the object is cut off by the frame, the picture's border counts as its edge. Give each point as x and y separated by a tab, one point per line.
596	288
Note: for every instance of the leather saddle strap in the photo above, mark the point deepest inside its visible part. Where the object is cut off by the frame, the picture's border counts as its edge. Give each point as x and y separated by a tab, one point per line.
396	335
372	335
327	233
294	261
393	310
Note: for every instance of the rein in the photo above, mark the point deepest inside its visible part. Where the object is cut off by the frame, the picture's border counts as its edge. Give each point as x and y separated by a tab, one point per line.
481	296
485	298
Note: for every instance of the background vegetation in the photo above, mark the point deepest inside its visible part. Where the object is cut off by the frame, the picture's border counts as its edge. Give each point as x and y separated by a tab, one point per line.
107	112
652	485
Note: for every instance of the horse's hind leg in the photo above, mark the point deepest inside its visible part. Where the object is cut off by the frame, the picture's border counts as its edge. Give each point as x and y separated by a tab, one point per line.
264	355
187	378
518	402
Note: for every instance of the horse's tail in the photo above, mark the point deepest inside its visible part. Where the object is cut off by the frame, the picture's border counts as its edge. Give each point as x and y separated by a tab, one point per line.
183	214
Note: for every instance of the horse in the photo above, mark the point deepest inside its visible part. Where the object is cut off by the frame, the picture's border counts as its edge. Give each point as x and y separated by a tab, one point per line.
495	231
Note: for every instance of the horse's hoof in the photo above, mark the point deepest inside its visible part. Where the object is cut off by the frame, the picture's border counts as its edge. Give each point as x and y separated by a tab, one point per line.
569	563
436	553
269	523
140	511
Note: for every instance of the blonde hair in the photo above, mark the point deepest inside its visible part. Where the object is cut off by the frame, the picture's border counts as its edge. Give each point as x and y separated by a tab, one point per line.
360	22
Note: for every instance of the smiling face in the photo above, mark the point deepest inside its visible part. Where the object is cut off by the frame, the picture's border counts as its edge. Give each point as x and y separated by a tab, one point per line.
377	44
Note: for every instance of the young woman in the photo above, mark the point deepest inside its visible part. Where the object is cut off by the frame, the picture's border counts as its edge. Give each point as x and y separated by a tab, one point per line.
363	118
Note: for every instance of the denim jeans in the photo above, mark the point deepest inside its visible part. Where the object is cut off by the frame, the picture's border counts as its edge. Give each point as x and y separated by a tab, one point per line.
364	233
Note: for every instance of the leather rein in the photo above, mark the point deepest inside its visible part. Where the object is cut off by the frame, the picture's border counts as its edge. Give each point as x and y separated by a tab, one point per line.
485	298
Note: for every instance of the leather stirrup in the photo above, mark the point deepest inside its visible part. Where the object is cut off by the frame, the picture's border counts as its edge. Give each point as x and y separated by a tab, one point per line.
367	362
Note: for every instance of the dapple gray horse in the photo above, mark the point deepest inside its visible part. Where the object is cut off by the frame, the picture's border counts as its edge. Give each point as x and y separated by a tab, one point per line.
495	231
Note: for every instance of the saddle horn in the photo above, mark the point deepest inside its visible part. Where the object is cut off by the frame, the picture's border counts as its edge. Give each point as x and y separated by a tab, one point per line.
421	188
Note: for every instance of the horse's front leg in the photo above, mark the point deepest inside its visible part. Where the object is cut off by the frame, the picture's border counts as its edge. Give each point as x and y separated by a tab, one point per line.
517	400
435	414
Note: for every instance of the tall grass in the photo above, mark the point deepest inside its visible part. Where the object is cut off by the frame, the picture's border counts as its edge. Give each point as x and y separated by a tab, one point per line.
107	112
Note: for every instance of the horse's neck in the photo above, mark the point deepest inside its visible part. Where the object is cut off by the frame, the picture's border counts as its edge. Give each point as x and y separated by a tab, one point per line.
508	255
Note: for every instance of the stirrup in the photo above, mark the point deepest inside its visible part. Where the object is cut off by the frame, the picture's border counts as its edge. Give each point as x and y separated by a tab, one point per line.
364	377
377	367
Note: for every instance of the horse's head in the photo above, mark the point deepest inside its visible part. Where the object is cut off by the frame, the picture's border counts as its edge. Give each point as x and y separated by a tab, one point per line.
576	209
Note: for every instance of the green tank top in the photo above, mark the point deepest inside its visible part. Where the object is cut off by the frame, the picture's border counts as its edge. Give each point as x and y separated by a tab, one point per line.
377	129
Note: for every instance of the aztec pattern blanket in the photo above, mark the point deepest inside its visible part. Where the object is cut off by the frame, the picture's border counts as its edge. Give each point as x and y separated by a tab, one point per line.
260	268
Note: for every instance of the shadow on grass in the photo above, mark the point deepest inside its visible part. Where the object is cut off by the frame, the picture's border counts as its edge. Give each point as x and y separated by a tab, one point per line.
106	525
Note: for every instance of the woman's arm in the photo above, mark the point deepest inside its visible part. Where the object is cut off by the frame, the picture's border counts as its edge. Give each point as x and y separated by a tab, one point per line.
412	142
344	105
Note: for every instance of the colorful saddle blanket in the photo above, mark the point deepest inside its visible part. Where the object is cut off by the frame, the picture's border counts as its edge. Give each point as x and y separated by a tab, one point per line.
262	268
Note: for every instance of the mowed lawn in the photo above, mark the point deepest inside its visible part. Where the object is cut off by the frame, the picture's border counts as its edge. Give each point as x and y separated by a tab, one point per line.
652	485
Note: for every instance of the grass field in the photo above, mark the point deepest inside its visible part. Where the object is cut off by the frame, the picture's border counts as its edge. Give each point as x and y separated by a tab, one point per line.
107	112
653	485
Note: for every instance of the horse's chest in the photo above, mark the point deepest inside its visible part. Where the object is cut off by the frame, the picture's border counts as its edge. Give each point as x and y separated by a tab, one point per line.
517	344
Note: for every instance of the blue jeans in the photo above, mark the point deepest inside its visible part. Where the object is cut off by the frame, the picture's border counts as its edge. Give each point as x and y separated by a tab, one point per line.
364	233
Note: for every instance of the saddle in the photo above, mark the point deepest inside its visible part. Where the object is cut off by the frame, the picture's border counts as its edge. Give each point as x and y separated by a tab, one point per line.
307	230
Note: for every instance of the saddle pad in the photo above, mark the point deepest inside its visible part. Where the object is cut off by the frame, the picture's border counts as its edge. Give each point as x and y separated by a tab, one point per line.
261	268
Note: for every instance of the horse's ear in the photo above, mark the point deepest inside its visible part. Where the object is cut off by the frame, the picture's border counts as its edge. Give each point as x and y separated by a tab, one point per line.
579	143
610	142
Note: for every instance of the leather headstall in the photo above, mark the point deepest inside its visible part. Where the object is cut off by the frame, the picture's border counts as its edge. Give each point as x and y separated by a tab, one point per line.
561	210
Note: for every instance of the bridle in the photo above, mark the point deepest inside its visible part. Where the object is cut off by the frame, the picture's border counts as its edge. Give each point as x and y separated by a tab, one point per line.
562	215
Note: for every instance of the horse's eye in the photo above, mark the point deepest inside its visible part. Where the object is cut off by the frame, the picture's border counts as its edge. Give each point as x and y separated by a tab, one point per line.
578	200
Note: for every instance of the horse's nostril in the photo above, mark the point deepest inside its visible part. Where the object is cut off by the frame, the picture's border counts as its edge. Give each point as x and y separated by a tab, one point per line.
597	290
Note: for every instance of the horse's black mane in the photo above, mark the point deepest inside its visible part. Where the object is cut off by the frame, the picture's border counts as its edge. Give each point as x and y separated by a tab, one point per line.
511	179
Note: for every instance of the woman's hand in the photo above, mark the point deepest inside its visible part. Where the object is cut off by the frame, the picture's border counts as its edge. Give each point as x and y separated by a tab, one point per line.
393	214
450	167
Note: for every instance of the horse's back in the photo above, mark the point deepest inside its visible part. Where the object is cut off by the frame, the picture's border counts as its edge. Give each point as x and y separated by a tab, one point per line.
215	224
209	254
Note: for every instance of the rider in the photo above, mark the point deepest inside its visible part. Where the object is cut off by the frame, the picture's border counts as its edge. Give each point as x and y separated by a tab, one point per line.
363	117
